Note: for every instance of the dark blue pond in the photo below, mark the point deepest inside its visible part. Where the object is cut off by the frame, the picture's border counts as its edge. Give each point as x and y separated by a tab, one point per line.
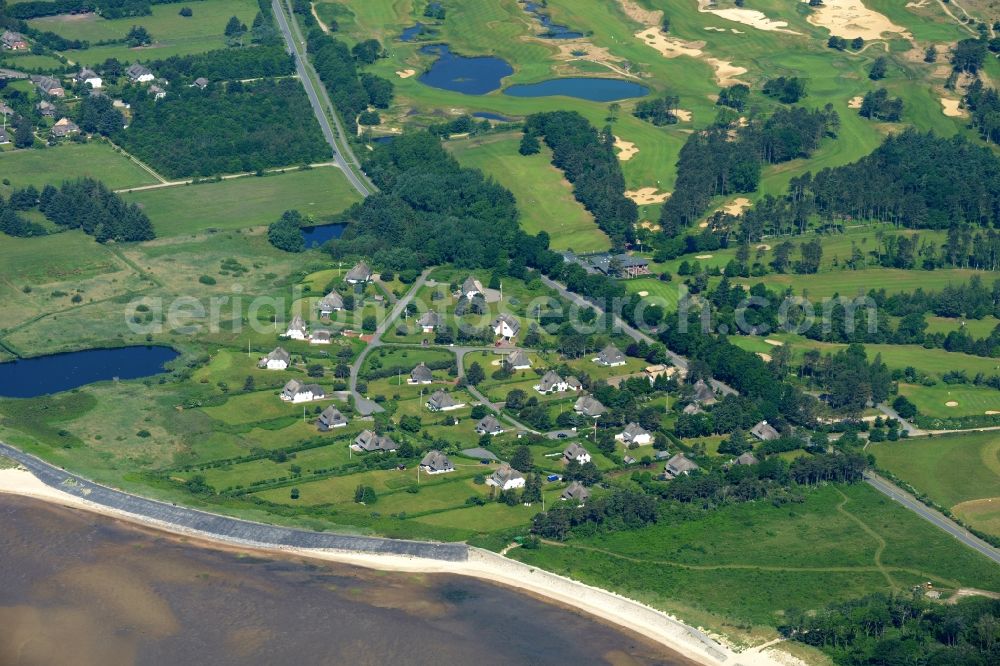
489	115
552	30
592	89
316	236
32	377
473	76
411	33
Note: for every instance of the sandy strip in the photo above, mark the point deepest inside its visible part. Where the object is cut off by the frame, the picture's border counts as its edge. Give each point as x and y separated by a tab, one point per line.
647	195
855	102
850	18
736	206
950	108
704	256
991	412
951	403
627	148
750	17
640	14
669	47
682	115
774	343
725	71
608	606
405	73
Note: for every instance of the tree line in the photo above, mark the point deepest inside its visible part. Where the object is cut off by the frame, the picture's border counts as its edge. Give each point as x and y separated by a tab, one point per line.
337	66
108	9
588	160
725	160
915	180
226	64
882	629
223	129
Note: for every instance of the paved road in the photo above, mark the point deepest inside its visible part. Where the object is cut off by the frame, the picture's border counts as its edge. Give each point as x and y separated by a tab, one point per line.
302	66
223	527
939	520
365	406
630	331
460	353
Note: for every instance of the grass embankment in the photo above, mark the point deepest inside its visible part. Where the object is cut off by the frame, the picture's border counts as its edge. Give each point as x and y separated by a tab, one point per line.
960	472
245	202
544	196
742	566
172	33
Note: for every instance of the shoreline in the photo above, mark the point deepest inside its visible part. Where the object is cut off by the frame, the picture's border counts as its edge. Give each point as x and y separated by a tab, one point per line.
604	605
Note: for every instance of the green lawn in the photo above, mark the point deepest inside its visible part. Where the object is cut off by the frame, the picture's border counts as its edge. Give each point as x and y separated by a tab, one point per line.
245	202
960	472
544	197
172	33
743	565
40	167
971	400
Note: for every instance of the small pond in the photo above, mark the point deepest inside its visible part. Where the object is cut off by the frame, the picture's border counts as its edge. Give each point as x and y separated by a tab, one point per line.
489	115
316	236
31	377
477	75
591	89
552	30
411	33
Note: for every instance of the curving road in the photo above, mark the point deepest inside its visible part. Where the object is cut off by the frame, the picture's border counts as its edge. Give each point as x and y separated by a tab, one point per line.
303	68
225	528
939	520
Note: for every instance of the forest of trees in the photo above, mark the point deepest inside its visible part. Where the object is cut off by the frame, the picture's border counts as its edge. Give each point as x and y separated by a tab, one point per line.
88	205
588	160
659	111
913	179
224	129
881	629
286	233
336	65
226	64
429	211
984	106
723	161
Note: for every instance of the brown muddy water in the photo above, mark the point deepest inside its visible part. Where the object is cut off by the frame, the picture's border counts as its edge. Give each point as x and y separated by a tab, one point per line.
82	589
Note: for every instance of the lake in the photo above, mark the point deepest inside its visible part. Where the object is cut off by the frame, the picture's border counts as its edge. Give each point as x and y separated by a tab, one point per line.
552	30
31	377
591	89
78	588
321	233
475	75
489	115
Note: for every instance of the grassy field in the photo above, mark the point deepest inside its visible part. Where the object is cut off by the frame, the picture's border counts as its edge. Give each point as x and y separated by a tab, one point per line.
245	202
961	472
68	161
743	565
969	400
544	197
172	33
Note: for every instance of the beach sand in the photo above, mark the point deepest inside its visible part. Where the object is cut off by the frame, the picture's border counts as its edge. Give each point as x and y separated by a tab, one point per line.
608	606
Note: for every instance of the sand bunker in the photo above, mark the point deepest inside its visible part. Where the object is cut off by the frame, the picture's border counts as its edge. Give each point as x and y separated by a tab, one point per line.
682	115
643	294
627	148
950	108
764	246
736	206
640	14
951	403
712	27
774	343
405	73
579	49
991	412
855	102
850	18
702	225
750	17
669	47
648	224
917	5
764	356
703	256
725	71
647	195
